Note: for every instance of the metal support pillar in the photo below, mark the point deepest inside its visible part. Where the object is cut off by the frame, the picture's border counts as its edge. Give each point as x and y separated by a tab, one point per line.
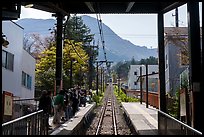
96	78
147	88
195	64
141	85
101	79
176	17
161	62
71	67
59	47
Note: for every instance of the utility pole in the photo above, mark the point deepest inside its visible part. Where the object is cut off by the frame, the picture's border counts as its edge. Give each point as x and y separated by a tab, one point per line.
91	58
71	64
101	79
141	85
146	85
97	78
97	65
176	17
59	53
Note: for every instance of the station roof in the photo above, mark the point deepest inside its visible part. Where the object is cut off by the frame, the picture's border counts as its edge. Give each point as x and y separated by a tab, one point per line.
93	7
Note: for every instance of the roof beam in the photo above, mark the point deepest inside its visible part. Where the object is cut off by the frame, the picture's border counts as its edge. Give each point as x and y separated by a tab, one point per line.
172	6
58	9
90	6
129	7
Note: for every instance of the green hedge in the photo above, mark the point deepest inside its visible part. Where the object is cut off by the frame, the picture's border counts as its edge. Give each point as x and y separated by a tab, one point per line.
122	97
98	98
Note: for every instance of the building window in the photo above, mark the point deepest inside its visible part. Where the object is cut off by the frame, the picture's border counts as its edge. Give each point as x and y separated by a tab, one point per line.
29	81
7	60
135	73
23	78
135	83
26	80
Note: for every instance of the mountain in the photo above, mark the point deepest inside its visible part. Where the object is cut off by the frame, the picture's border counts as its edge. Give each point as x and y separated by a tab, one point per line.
39	26
117	49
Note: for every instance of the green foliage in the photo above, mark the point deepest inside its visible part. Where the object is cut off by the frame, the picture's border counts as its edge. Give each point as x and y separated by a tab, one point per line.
98	98
184	80
45	68
122	97
173	108
76	30
150	61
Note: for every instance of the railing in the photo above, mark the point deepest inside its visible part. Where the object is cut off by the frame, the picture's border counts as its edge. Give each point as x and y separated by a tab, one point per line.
21	107
31	124
152	98
171	126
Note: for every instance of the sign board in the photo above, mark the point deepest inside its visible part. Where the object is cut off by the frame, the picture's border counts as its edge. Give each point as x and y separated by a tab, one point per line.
8	103
182	102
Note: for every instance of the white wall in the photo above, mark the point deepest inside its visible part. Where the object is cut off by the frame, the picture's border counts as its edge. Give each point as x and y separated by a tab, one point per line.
11	80
28	66
136	68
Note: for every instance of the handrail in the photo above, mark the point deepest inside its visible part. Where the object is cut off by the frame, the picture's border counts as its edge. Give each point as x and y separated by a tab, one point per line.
23	117
26	99
185	125
30	124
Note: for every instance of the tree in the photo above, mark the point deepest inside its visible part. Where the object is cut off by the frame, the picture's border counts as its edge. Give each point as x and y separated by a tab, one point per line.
34	44
76	30
45	68
150	61
133	62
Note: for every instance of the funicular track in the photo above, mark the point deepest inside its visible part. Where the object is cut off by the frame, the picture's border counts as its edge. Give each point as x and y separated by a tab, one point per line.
107	122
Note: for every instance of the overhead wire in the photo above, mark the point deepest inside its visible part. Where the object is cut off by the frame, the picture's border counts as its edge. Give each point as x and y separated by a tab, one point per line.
100	24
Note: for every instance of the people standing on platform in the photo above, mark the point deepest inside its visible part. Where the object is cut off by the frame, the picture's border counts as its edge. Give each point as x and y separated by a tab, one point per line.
83	97
88	98
45	104
50	106
66	102
75	102
78	96
70	109
90	93
58	107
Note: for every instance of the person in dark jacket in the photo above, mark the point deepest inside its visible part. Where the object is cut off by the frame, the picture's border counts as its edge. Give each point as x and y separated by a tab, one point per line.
45	104
75	102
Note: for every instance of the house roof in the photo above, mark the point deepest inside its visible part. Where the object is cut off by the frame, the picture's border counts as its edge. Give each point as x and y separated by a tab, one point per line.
182	31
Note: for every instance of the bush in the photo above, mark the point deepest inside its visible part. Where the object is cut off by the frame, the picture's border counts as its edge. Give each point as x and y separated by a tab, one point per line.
98	98
122	97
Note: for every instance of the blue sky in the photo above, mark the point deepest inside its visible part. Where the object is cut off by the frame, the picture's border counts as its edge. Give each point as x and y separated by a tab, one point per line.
140	29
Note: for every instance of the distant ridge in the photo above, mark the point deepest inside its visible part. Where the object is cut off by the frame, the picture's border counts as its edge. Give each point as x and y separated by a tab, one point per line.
117	49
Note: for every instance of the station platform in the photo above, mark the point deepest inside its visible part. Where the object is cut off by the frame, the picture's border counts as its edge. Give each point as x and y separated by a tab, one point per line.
144	120
73	125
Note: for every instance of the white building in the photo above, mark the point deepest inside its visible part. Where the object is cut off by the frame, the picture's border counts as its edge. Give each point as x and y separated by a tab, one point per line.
18	66
134	74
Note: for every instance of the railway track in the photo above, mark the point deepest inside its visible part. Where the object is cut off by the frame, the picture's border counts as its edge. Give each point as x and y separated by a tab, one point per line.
107	124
